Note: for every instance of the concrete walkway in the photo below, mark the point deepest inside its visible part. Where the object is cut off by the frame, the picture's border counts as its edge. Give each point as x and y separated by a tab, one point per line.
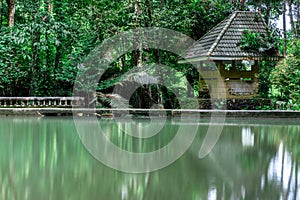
153	112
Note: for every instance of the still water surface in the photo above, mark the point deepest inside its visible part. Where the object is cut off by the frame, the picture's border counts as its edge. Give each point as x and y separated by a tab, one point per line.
45	159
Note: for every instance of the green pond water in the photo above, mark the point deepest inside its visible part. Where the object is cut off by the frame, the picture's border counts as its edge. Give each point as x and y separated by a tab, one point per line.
44	158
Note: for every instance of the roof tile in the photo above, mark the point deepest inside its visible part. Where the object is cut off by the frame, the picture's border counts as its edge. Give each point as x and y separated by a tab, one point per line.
223	40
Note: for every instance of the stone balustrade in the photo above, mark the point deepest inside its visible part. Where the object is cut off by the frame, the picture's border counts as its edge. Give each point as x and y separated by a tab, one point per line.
41	101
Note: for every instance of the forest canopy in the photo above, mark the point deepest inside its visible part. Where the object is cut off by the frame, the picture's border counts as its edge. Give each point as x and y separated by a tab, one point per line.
43	42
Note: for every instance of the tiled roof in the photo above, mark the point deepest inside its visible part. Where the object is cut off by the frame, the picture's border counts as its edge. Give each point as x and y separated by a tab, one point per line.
222	42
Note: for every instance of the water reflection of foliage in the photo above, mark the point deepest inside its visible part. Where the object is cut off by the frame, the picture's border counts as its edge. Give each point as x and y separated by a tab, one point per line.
242	172
292	141
44	159
120	133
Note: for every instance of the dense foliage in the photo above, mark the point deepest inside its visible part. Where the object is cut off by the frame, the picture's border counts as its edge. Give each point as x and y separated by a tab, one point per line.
259	42
42	43
286	77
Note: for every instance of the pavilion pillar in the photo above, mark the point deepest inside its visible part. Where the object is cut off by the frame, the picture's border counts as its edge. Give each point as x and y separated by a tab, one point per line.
212	81
202	84
255	80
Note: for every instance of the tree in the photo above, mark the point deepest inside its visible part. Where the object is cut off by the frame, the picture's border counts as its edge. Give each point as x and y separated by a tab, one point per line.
285	76
298	19
42	44
271	9
290	5
284	28
11	12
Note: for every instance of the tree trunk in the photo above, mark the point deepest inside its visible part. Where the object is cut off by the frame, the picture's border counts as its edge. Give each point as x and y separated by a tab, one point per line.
35	38
291	16
139	42
260	5
298	19
49	7
242	4
149	13
1	16
48	53
268	13
284	28
11	12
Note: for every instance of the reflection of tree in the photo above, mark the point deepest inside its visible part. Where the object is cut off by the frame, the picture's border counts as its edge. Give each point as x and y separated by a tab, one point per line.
290	180
238	170
49	161
11	173
296	180
288	137
291	141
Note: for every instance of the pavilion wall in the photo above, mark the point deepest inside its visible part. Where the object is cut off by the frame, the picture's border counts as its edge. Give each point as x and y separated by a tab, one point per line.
237	83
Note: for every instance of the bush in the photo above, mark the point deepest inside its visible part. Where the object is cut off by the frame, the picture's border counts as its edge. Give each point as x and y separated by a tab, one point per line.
285	77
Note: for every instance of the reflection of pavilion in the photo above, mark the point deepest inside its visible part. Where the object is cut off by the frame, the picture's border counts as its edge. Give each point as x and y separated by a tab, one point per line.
237	65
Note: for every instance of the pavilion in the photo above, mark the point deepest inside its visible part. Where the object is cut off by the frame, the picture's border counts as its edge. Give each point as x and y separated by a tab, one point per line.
237	66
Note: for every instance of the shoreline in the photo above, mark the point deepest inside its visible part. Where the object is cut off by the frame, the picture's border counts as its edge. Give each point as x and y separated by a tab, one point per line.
123	112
